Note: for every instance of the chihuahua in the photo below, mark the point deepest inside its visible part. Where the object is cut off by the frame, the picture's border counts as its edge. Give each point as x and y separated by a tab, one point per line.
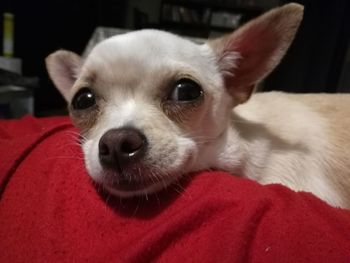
152	107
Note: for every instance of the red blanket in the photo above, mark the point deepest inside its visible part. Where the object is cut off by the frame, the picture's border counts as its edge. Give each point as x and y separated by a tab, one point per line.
50	211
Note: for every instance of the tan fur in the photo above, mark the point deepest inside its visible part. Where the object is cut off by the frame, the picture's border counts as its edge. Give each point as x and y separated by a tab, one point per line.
336	109
308	140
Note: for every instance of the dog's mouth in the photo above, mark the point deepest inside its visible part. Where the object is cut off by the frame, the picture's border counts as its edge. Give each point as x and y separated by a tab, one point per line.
141	177
130	185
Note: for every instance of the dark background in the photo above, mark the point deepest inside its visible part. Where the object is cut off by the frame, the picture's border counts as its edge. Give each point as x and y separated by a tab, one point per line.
316	61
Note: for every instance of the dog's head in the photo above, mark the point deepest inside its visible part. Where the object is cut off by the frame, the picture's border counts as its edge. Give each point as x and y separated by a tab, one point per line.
152	106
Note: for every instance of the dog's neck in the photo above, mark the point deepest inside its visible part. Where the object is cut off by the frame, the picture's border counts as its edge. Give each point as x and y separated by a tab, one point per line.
226	152
242	148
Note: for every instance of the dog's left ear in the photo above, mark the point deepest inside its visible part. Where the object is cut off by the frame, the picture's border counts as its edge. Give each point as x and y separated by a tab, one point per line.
251	52
63	67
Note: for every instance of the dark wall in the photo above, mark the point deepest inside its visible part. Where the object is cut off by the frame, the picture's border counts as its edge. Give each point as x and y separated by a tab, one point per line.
315	59
43	26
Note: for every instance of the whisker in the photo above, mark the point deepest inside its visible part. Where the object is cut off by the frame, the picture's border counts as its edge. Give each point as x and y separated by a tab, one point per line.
137	207
69	144
158	200
182	190
106	201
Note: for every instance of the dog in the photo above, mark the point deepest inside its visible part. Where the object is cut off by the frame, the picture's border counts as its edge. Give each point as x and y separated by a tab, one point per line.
153	107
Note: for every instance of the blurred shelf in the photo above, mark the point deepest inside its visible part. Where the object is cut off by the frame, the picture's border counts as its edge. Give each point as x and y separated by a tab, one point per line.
216	6
192	26
202	18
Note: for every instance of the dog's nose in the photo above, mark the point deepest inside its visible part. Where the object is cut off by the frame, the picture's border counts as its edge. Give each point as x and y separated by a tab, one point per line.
118	148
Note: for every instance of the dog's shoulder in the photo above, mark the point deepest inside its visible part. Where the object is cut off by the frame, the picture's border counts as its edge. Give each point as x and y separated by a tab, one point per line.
288	116
317	123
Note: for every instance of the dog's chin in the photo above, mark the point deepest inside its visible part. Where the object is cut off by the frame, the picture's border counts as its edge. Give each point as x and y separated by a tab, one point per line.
132	190
134	185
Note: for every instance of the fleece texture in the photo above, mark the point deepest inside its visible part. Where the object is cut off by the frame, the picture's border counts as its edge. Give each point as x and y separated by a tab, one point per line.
51	211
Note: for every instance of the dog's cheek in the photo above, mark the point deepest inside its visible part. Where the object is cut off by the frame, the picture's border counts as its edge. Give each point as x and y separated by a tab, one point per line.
171	154
92	164
217	115
189	134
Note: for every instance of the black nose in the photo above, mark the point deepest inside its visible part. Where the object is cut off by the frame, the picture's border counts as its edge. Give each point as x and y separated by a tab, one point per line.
119	148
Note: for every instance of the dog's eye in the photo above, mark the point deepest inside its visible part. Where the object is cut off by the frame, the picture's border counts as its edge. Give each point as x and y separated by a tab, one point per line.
84	99
185	90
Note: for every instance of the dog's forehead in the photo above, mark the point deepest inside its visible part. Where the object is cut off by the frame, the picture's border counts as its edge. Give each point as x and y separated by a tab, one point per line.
144	43
144	51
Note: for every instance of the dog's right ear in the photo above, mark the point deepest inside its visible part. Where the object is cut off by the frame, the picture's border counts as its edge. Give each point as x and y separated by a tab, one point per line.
250	53
63	67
